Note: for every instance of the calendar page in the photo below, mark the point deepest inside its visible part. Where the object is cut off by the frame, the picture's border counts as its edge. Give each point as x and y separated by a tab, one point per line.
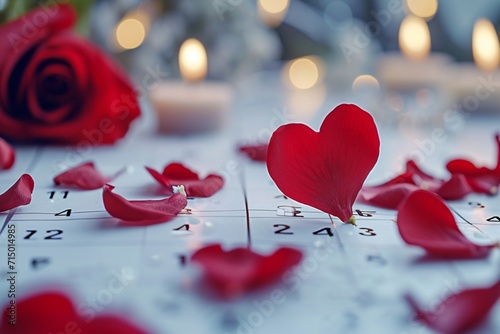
352	279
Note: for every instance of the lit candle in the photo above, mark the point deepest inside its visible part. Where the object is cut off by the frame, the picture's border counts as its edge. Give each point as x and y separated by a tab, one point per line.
469	81
194	105
418	67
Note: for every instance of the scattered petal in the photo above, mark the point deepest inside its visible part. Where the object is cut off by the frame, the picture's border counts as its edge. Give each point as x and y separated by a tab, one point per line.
325	169
19	194
391	193
455	188
424	220
388	196
54	312
7	155
142	212
481	179
255	152
231	273
84	176
177	174
459	312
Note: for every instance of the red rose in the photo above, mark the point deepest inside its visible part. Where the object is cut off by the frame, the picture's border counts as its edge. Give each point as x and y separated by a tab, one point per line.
55	86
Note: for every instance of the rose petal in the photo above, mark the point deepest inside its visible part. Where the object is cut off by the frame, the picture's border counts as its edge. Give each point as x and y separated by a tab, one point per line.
457	187
142	212
234	272
387	196
106	324
481	179
325	169
459	312
7	155
178	174
255	152
84	176
19	194
41	313
424	220
54	312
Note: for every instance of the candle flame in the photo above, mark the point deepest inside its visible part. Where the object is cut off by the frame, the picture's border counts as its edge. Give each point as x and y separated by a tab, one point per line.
485	47
193	60
414	38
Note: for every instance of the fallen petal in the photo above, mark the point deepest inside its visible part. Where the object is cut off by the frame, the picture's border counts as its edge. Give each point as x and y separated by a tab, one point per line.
388	196
457	187
255	152
231	273
142	211
7	155
424	220
84	176
19	194
325	169
54	312
459	312
482	180
177	174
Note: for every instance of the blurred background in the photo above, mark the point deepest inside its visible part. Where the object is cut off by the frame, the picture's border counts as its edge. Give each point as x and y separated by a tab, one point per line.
400	55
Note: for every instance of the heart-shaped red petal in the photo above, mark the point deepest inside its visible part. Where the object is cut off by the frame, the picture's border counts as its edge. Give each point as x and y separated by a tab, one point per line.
142	212
84	176
7	155
325	169
424	220
459	312
255	152
176	174
19	194
234	272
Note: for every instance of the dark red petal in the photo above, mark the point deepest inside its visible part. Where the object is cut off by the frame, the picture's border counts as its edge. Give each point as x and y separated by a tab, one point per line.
159	178
7	155
481	179
461	166
325	169
111	324
42	313
415	170
177	174
459	312
387	196
19	194
84	176
455	188
177	171
239	270
424	220
255	152
142	212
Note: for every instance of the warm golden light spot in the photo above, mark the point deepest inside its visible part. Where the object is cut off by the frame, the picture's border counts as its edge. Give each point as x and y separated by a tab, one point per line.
365	82
272	12
414	38
303	73
130	33
485	46
423	8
